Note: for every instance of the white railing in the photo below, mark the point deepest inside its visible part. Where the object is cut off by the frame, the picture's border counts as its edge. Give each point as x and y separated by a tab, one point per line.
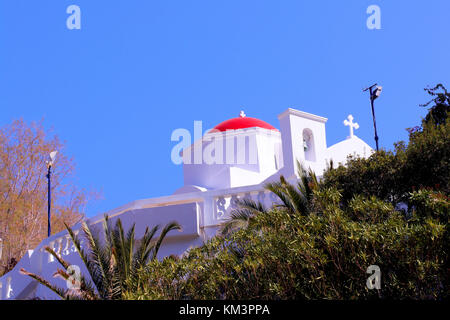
225	204
39	262
62	245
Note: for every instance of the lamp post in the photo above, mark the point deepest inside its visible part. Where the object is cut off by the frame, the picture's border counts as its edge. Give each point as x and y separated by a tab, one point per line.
49	190
375	92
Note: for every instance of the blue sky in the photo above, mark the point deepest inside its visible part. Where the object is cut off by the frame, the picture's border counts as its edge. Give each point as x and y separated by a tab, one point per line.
116	89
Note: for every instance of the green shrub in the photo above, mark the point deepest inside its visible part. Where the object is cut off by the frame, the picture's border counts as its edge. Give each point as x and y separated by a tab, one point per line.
324	255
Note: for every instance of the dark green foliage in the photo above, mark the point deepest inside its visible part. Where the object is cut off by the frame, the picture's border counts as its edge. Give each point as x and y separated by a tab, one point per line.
427	158
323	255
438	113
377	175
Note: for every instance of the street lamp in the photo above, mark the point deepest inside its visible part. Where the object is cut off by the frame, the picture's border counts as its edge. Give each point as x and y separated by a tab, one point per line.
375	92
49	197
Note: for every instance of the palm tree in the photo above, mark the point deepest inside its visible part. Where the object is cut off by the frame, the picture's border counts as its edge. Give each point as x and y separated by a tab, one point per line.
296	200
112	264
243	216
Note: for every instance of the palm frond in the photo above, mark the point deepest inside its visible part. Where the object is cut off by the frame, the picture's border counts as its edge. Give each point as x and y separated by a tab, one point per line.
60	292
239	219
279	190
250	204
143	251
83	292
85	258
169	227
243	215
129	242
61	261
77	244
99	261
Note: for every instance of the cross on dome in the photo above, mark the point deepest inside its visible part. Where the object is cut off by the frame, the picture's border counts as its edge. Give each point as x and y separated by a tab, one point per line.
243	122
351	124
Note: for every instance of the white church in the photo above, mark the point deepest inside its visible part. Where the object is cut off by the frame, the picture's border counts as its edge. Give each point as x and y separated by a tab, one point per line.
233	161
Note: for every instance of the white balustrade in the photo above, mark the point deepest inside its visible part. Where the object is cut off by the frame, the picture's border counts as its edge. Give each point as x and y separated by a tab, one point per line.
58	248
51	258
65	246
225	204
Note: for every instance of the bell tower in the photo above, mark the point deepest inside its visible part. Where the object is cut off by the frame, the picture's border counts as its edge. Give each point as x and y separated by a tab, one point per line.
303	138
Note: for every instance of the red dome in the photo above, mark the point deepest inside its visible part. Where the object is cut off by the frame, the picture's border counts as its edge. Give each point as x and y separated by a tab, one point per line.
242	122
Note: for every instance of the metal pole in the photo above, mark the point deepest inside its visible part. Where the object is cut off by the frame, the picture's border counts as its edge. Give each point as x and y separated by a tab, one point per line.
49	197
373	116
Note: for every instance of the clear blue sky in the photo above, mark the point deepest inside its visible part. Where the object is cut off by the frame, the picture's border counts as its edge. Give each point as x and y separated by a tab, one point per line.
116	89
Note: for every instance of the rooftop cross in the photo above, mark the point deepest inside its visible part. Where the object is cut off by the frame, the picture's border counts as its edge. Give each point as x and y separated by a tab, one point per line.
242	114
351	124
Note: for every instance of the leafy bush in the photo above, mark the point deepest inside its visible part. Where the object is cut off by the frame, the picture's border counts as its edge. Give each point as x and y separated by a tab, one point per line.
322	255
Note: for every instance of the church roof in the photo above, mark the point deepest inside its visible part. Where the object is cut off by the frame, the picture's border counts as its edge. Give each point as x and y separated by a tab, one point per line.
243	122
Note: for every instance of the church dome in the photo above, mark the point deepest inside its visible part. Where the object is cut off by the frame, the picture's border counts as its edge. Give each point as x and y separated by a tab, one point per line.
242	122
